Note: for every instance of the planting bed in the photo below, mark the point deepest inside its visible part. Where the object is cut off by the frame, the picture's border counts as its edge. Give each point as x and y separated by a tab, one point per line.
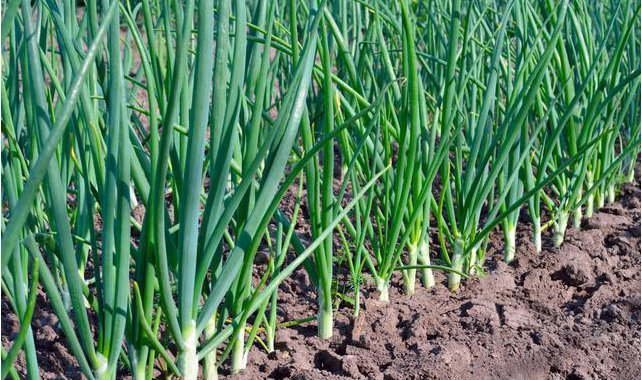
569	313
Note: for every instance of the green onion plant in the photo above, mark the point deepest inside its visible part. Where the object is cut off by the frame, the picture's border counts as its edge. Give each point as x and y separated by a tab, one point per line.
148	146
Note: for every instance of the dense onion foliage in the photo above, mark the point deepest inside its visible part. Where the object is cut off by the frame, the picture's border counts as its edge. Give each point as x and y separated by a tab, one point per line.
147	148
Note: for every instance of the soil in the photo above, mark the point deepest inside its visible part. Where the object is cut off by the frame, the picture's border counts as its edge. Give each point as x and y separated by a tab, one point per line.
571	313
55	360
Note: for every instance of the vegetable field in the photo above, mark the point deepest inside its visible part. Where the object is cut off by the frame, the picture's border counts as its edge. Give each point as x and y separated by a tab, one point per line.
307	189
